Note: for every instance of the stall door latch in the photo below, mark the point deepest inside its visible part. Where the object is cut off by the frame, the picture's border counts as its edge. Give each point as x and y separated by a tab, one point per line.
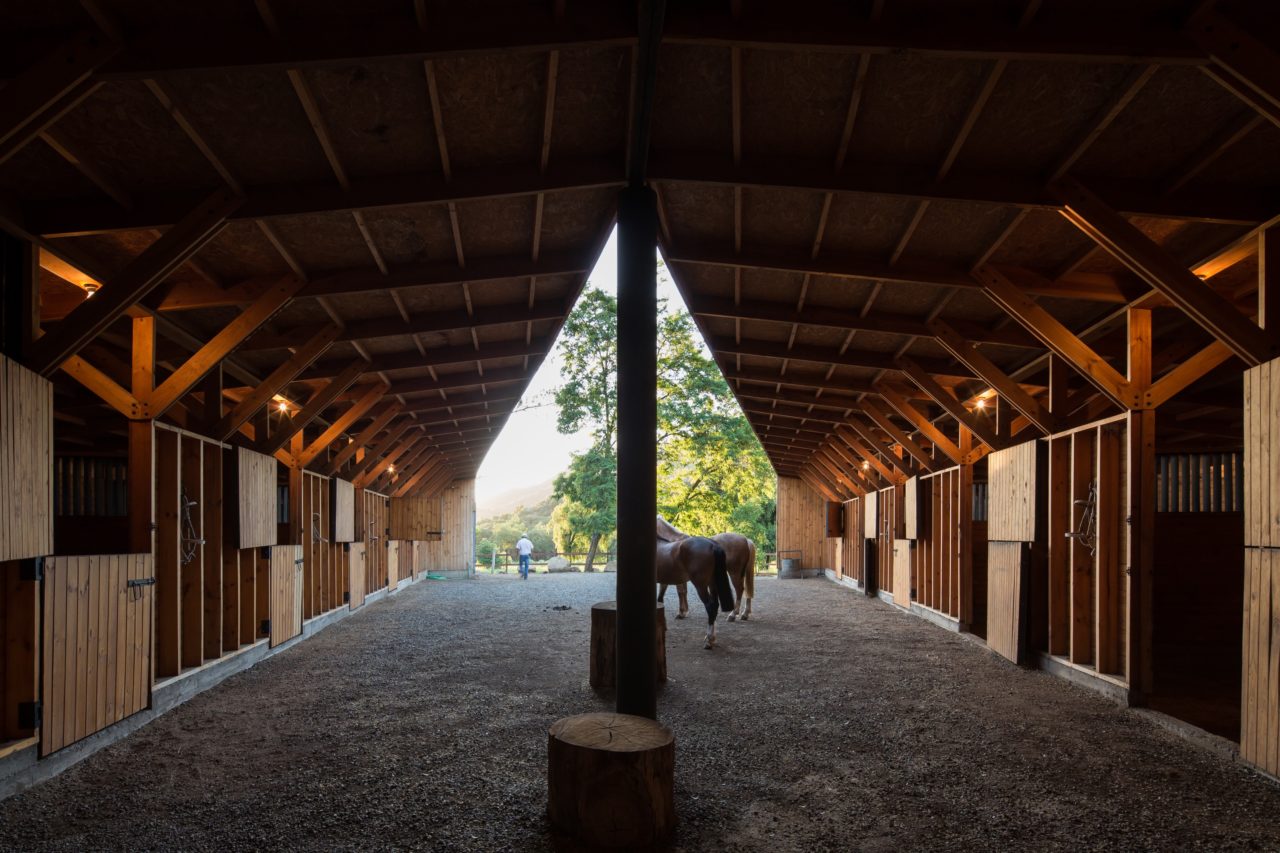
132	582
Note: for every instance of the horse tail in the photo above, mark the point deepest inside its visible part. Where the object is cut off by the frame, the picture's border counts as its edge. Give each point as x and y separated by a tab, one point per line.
723	589
749	579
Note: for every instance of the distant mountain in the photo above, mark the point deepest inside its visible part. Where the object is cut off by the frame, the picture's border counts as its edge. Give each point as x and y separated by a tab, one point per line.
509	501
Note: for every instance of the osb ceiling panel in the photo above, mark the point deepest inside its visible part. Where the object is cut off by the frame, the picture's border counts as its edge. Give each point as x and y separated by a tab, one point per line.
693	82
492	108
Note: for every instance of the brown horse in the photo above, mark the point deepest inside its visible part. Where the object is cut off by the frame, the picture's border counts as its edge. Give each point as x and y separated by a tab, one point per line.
740	554
696	560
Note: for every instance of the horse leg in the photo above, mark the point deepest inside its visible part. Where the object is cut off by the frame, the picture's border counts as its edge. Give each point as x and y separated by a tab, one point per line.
709	601
683	590
737	595
662	592
747	613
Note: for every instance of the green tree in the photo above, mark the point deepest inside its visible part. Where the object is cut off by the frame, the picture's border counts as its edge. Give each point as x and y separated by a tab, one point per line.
712	473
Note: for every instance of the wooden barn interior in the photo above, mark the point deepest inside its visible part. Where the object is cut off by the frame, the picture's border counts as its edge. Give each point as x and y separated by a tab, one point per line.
991	279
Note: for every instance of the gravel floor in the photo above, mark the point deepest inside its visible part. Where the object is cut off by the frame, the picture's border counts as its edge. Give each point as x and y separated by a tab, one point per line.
829	722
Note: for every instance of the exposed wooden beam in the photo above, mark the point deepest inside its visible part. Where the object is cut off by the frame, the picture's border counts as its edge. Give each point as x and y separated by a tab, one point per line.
976	424
275	382
362	439
847	437
1010	391
1187	372
435	321
119	294
880	447
379	449
899	435
1092	287
1219	204
104	387
831	26
825	356
900	404
1242	61
185	378
835	318
49	88
1056	337
1174	281
318	402
93	215
375	471
341	424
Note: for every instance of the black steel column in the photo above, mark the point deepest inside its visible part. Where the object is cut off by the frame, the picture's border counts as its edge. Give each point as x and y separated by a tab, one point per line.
637	450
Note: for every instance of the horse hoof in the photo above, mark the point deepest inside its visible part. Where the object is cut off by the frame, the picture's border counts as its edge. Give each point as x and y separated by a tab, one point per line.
679	615
745	618
732	617
708	647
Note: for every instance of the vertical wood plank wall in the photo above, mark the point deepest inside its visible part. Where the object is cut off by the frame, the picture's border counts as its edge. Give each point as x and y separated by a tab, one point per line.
1087	581
944	544
455	549
417	517
371	528
188	516
854	545
26	463
1260	671
97	645
393	562
325	582
889	528
802	522
284	563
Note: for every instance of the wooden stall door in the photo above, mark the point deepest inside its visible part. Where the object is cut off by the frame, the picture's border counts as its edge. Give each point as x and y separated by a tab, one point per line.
356	573
393	564
902	572
285	566
1005	588
98	619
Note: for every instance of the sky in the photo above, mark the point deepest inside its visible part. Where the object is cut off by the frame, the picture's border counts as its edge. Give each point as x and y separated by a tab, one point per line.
530	450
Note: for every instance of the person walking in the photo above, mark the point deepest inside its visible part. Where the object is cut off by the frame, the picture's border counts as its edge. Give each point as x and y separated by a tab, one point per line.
524	548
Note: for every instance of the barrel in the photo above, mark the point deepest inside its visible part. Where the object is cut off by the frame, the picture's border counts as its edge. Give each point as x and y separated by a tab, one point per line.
789	568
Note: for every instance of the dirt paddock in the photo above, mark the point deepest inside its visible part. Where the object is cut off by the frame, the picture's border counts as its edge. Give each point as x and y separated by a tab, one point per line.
829	722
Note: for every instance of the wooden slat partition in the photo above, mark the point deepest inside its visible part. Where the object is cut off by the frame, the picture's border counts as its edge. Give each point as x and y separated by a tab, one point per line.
854	544
1260	671
342	500
356	572
802	522
97	644
26	463
417	517
946	542
1011	479
284	564
911	507
251	488
372	527
889	528
189	514
325	583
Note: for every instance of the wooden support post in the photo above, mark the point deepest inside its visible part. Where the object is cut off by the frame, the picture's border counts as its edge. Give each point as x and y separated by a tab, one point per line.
211	391
604	645
1141	487
637	453
1059	374
1269	279
295	493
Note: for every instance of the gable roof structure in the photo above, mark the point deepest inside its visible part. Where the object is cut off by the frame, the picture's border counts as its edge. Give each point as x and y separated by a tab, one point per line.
401	202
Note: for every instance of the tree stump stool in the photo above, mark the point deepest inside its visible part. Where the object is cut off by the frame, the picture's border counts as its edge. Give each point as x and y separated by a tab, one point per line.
604	644
611	780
